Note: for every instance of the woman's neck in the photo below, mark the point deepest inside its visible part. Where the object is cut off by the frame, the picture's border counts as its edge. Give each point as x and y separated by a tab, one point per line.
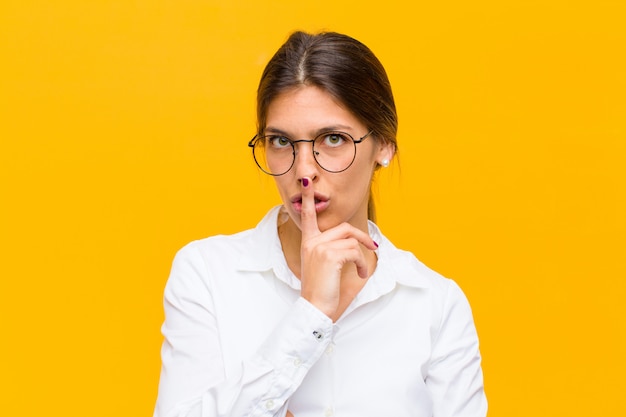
291	239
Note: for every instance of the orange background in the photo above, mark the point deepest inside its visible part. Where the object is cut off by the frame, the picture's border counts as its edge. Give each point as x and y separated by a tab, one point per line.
123	129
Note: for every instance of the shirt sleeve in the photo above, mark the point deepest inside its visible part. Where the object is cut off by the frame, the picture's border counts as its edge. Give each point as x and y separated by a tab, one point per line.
455	377
193	379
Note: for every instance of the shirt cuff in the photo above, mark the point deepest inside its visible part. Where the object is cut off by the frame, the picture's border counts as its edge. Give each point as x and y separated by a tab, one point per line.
298	341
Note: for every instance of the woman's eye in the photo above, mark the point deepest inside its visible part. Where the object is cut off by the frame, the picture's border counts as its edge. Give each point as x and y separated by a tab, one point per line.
279	141
334	139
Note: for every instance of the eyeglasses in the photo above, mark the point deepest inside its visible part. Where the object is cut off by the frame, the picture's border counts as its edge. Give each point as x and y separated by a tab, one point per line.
333	151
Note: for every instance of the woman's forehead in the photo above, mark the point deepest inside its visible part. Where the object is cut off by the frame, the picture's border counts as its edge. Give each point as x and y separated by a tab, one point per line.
309	109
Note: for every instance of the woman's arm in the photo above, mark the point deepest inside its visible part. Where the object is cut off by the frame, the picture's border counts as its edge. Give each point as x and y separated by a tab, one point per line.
455	377
193	376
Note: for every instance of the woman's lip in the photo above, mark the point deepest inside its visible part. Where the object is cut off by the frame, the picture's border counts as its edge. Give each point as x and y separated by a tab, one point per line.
319	206
321	203
318	198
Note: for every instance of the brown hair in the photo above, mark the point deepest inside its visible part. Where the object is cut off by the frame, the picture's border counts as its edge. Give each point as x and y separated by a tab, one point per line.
345	68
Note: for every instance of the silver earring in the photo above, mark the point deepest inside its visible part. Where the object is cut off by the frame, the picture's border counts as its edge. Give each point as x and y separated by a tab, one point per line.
385	163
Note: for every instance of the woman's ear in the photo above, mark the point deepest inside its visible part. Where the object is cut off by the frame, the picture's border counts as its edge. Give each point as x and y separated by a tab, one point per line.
385	153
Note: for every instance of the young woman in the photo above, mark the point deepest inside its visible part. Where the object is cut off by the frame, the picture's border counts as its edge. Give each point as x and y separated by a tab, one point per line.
314	312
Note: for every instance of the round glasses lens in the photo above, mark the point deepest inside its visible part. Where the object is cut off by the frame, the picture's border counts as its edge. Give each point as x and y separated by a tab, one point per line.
273	154
334	151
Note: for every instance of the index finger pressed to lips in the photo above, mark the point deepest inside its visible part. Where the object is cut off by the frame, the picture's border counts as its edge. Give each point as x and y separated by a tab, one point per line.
308	216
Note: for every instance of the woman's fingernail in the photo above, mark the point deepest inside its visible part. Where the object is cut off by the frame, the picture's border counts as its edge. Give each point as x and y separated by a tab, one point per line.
305	182
375	244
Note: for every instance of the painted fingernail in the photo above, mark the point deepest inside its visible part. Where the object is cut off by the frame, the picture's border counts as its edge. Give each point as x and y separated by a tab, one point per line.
375	244
305	182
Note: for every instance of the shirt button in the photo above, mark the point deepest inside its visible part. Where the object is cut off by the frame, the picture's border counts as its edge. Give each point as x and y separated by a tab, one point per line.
330	349
269	404
328	412
297	362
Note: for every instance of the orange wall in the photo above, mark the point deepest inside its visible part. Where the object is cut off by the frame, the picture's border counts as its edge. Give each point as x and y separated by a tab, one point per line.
123	129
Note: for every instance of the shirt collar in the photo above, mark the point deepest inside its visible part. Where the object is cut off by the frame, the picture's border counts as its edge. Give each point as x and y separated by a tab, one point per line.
265	248
394	265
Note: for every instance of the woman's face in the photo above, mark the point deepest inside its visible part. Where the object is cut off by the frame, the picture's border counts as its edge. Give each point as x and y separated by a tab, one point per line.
303	113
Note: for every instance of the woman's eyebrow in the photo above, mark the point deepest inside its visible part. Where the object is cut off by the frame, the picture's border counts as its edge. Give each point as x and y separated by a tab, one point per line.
330	128
336	127
275	131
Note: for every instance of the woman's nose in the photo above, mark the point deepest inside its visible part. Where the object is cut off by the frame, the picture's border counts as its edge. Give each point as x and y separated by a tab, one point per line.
305	164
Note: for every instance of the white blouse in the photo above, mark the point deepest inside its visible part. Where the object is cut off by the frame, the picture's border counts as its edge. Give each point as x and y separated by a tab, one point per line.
240	341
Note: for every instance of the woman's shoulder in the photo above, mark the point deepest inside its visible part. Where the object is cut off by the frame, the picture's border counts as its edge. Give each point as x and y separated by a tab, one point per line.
409	270
444	293
219	245
241	245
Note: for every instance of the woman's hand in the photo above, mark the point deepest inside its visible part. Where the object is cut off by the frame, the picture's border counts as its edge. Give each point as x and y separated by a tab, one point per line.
324	255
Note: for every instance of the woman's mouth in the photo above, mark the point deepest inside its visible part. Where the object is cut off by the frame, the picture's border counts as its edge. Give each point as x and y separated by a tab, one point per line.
321	203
